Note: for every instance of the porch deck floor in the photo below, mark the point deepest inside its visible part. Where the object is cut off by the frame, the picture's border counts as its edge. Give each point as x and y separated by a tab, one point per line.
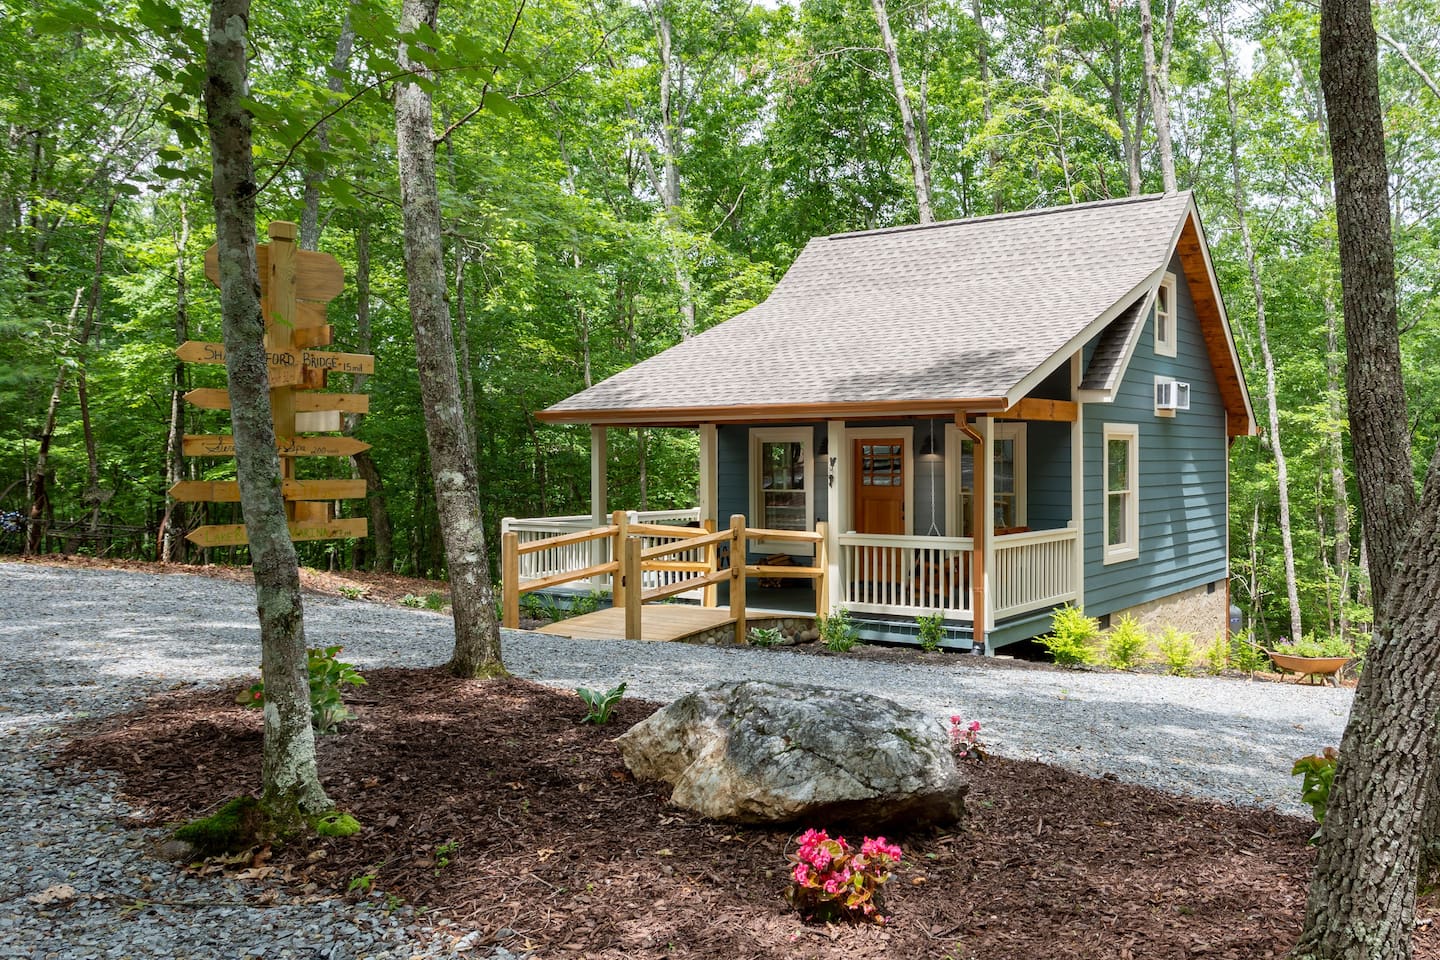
659	621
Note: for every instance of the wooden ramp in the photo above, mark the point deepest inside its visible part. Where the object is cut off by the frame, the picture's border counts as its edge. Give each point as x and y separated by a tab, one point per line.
661	621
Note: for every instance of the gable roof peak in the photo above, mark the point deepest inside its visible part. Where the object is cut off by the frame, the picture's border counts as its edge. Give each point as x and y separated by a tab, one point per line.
1011	215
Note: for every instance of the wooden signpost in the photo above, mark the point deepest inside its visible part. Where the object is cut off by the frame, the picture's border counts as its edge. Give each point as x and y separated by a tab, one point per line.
295	286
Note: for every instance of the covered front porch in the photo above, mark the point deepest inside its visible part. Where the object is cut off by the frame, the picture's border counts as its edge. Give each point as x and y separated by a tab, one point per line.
887	508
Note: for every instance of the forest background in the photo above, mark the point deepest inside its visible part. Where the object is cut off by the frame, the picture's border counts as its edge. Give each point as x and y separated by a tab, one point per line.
619	174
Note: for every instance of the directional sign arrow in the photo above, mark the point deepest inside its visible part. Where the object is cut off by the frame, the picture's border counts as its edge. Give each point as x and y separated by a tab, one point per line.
283	366
318	276
208	398
223	445
228	491
233	534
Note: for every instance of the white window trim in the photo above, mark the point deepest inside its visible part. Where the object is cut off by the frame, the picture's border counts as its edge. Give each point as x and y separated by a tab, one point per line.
1007	430
1166	348
1130	549
801	435
907	435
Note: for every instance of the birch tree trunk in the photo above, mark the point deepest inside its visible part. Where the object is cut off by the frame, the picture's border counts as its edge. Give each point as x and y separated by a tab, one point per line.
1362	894
477	632
1272	408
907	119
310	225
671	137
291	783
982	59
1157	79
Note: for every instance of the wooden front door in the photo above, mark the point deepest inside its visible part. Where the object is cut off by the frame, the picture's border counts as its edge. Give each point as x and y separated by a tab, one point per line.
880	485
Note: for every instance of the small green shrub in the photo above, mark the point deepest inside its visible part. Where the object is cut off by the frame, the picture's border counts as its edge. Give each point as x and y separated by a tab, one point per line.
435	600
1318	771
1216	656
532	606
352	593
1312	645
932	631
766	637
1245	655
837	631
410	600
1072	636
328	677
1177	650
599	705
1125	644
589	603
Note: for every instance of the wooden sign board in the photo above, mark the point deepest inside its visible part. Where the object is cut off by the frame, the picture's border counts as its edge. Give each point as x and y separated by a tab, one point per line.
228	491
223	445
233	534
283	366
338	362
318	276
318	421
209	398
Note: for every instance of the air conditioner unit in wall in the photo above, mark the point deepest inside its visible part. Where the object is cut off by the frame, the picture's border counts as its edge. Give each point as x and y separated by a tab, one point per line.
1172	395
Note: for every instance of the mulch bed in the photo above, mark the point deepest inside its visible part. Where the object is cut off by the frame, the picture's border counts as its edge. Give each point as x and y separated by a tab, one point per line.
493	805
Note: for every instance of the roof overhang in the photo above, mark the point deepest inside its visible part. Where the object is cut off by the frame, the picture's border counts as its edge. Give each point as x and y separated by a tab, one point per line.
770	413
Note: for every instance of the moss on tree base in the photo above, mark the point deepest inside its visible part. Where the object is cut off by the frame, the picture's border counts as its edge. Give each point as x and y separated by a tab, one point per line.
234	827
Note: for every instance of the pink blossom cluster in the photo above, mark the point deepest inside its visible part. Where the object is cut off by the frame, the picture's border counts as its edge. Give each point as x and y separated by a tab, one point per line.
965	737
832	880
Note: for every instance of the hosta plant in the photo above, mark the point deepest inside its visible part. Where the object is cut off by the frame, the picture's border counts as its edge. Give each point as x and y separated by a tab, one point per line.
829	880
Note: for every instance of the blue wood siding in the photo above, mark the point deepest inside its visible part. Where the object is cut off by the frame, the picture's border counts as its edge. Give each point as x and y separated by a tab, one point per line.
1182	474
1047	454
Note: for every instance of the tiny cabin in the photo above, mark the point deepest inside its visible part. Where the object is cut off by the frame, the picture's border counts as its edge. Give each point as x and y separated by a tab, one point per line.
987	418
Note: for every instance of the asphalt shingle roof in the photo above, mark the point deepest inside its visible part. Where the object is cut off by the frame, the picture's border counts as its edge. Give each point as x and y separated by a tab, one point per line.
951	311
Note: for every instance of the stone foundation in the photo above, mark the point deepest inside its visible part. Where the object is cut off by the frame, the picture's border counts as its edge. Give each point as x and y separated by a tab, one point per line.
1192	611
721	636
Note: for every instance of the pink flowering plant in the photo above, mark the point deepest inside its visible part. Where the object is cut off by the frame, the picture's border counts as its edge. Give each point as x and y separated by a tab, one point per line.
965	739
832	881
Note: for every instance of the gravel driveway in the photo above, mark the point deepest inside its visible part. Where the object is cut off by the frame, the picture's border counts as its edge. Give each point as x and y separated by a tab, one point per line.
79	642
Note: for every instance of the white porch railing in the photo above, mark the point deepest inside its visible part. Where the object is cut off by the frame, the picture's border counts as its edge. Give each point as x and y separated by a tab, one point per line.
577	556
906	575
1034	570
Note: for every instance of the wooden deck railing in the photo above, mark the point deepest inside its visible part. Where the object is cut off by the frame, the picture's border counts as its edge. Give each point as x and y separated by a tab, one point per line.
904	574
1034	570
656	561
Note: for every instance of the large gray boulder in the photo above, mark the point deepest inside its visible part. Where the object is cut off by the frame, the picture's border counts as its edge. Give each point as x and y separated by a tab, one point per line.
756	752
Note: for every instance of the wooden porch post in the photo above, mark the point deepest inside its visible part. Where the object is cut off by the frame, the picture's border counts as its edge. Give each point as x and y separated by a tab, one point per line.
1077	479
982	503
822	561
737	575
712	562
618	586
835	473
630	573
599	497
705	495
510	579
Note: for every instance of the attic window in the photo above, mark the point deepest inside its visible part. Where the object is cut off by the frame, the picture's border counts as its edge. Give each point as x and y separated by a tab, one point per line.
1165	317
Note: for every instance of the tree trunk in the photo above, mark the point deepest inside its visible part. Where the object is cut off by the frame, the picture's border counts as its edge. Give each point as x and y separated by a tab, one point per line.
982	59
477	631
671	135
1272	404
907	119
94	496
1157	79
291	783
1362	895
310	225
1339	491
172	525
39	482
462	336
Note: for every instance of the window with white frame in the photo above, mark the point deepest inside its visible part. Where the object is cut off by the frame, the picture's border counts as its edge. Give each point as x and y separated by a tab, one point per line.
1165	317
1008	479
782	491
1121	462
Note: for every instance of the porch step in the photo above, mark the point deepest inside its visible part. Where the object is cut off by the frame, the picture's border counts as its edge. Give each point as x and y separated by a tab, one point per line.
660	621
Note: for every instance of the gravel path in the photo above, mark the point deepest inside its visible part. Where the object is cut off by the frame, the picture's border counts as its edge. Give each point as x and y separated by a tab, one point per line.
79	642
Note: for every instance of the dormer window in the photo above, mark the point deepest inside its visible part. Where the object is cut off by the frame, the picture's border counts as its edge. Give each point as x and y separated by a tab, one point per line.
1165	317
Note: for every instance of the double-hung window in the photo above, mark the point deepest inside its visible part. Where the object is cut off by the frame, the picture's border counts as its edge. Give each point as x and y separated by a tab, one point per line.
1165	319
1121	462
782	492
